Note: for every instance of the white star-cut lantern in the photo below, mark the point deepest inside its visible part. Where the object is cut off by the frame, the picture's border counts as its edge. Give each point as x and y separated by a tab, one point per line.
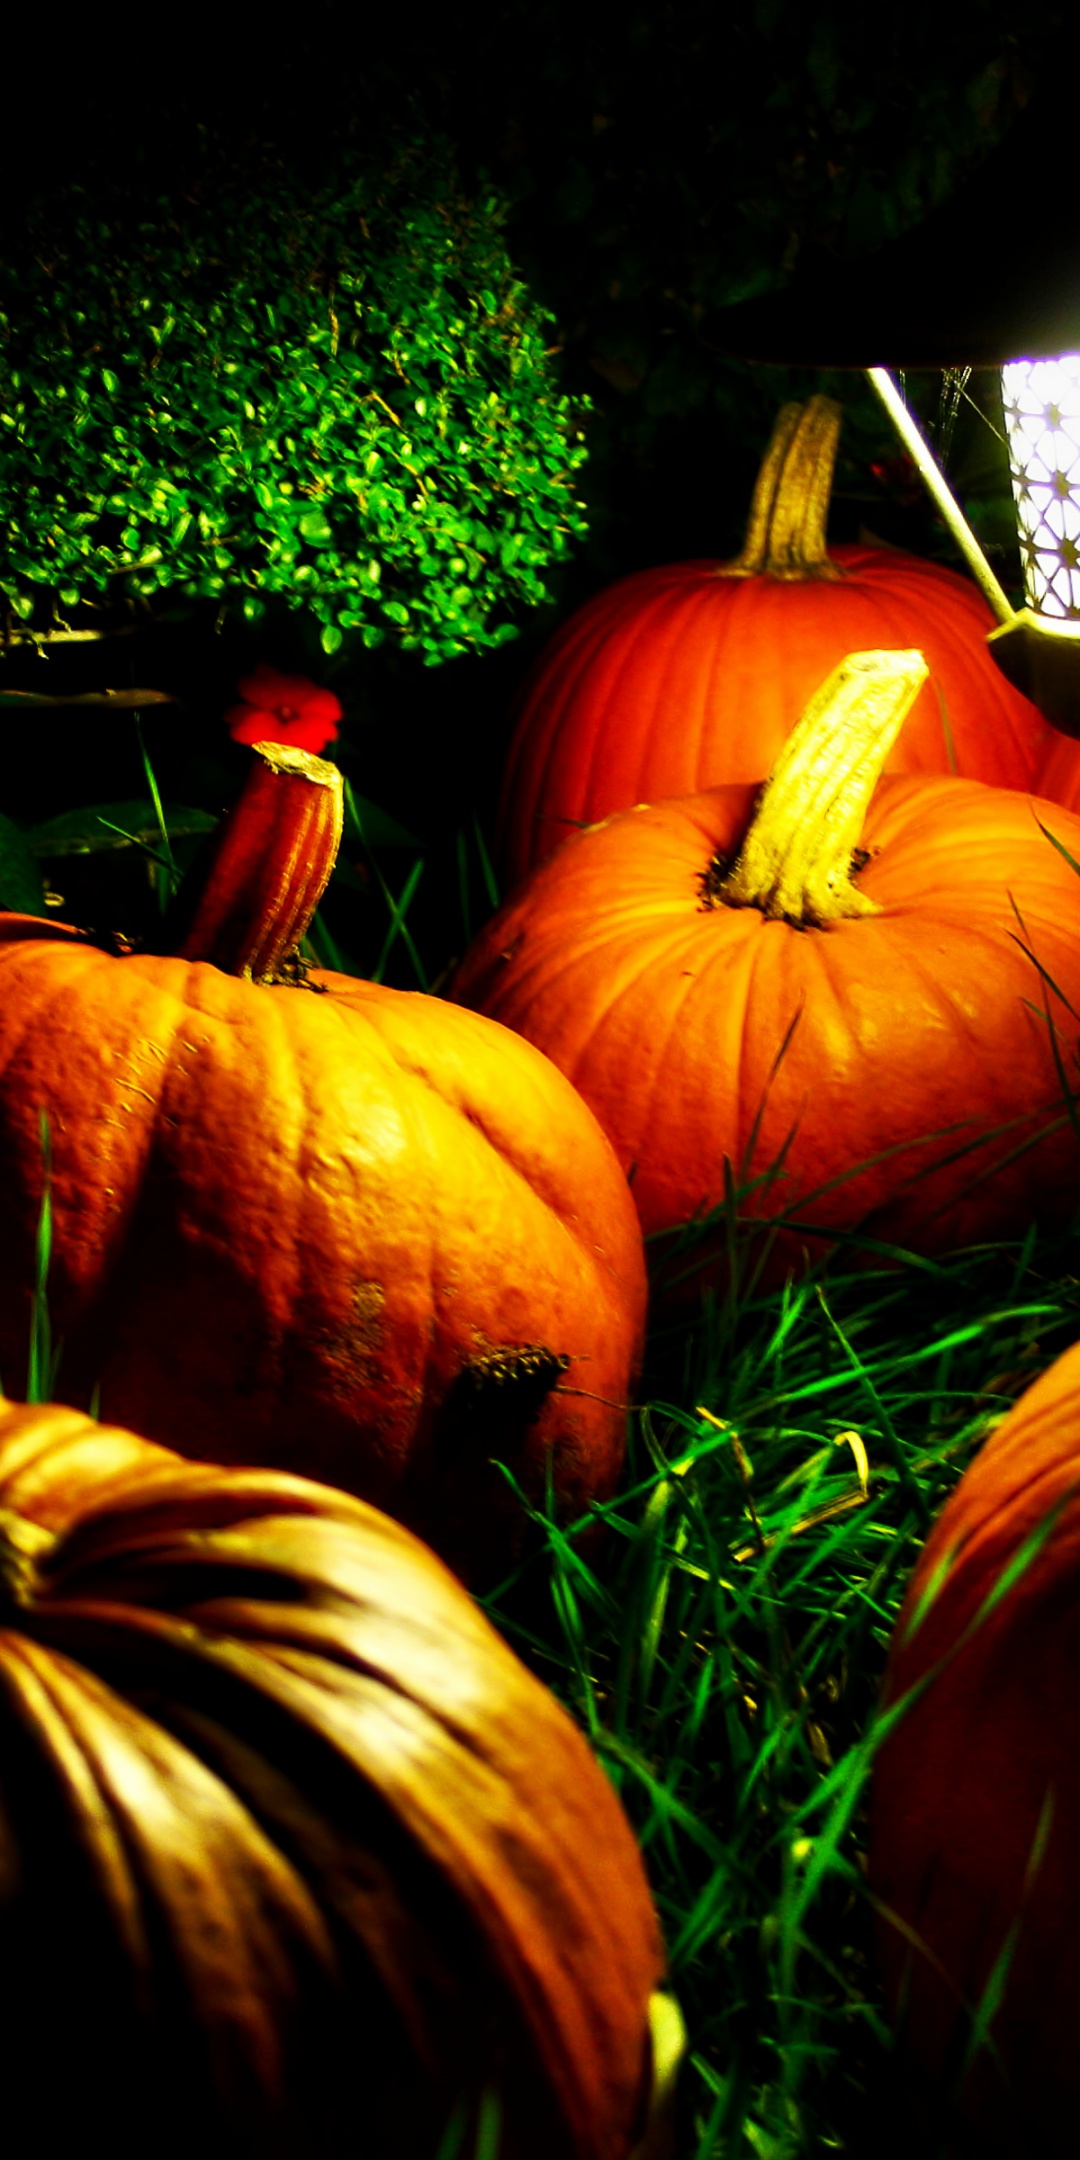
1037	646
1042	418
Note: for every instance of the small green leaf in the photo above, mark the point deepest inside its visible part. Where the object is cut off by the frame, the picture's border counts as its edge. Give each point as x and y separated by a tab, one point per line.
375	827
111	381
86	832
21	887
330	637
314	527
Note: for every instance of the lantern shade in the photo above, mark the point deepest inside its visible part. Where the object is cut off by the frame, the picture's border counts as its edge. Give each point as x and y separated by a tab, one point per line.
1042	420
990	276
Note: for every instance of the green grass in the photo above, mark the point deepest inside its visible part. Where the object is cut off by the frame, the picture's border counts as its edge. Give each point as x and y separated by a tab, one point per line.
724	1643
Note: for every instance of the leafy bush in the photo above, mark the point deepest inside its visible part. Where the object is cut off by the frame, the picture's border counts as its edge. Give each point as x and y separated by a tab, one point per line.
341	395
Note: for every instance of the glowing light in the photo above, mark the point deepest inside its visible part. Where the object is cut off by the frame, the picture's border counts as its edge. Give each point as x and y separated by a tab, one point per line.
1042	417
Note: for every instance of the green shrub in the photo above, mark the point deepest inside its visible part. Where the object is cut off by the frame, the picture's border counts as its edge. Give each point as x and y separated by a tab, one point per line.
339	394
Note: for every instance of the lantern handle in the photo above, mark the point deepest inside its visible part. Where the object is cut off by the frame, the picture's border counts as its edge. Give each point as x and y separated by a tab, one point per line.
938	487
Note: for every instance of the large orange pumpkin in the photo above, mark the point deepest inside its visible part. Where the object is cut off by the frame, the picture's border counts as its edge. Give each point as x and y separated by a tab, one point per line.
296	1855
317	1224
858	1014
975	1817
1059	772
693	674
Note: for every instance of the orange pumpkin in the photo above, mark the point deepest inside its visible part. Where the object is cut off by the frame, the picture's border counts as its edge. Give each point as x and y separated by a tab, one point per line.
297	1855
975	1817
317	1224
1059	772
693	674
835	1005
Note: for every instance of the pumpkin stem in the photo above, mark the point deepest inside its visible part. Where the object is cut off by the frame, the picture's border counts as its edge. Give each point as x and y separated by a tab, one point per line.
798	856
270	866
785	532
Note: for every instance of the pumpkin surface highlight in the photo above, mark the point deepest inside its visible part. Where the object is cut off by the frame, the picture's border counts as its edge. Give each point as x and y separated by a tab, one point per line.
691	675
296	1852
975	1816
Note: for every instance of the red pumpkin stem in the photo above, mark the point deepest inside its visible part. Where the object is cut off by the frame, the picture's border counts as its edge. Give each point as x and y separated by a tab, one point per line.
797	858
271	865
785	532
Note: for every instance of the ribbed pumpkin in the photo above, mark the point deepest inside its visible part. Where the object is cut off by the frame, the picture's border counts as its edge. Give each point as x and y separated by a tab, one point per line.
975	1817
318	1224
830	1003
693	674
297	1857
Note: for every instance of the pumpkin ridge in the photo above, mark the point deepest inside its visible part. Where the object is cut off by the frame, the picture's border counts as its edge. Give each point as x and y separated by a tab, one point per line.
512	1940
124	1162
216	1854
560	968
37	994
656	1089
713	694
228	1933
300	1059
988	1545
26	1696
378	1733
287	1100
427	1246
1023	1458
596	760
490	1128
739	966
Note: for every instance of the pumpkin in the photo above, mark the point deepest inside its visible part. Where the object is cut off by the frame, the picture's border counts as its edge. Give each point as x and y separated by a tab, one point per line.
975	1811
692	674
1059	772
850	1004
309	1221
297	1856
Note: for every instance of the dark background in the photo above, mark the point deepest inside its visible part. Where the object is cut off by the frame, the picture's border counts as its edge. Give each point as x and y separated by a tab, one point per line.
662	162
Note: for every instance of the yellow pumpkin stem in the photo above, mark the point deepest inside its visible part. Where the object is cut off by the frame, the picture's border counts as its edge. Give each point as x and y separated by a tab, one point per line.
796	860
785	532
271	864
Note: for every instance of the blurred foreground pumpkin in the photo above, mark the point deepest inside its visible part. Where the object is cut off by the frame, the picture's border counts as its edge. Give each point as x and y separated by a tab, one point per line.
297	1858
849	1006
975	1818
692	675
308	1221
